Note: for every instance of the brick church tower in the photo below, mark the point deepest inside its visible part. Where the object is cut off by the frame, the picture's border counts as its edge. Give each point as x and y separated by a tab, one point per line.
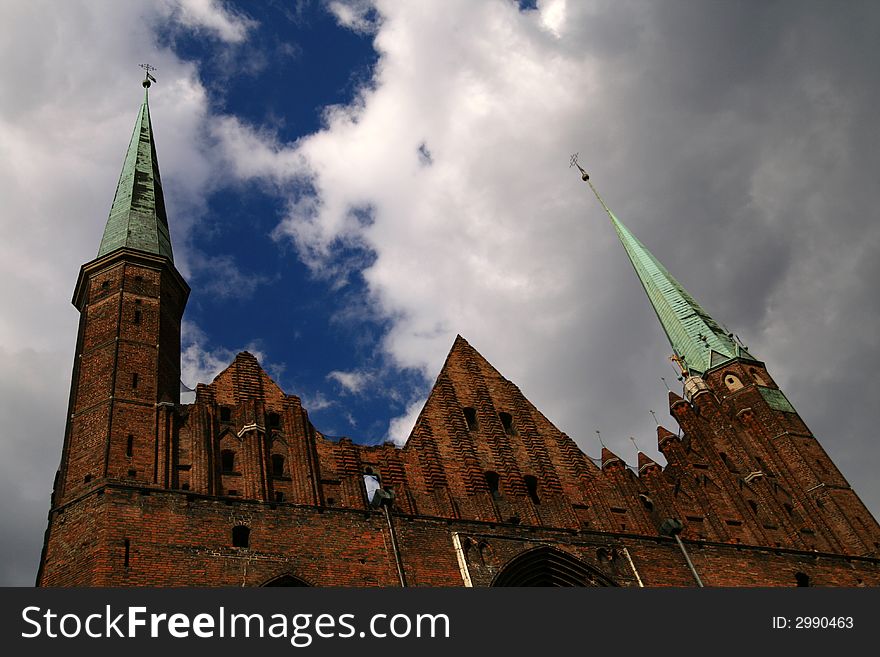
240	489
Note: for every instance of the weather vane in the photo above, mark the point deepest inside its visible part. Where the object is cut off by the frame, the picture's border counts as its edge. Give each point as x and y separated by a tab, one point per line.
147	77
574	163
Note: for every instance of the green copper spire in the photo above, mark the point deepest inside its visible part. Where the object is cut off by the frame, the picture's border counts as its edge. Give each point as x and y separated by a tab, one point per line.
137	218
698	340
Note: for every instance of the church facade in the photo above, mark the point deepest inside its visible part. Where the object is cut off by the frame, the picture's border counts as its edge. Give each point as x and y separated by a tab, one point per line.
240	489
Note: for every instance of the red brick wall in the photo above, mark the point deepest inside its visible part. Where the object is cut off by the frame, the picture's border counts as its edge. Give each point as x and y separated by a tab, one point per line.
757	495
180	539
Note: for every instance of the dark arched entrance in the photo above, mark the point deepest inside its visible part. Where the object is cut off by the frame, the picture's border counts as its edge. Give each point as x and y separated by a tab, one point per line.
286	580
546	566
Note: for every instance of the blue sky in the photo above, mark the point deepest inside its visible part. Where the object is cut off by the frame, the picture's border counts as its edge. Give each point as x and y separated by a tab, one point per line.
310	326
352	183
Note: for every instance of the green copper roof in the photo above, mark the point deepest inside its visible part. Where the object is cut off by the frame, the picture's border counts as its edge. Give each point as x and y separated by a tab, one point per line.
697	338
775	399
137	218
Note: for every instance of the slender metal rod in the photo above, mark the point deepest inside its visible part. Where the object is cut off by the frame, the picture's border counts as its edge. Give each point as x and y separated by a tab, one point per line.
689	562
633	566
397	560
462	559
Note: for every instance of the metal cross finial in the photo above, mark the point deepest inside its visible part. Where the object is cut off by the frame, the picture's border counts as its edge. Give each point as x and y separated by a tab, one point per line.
600	438
574	163
678	360
635	444
654	415
147	77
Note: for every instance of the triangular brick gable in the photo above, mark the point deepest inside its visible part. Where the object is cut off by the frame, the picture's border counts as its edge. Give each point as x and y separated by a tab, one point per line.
245	378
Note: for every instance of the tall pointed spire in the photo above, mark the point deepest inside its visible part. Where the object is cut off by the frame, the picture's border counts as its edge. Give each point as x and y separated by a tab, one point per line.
699	342
137	218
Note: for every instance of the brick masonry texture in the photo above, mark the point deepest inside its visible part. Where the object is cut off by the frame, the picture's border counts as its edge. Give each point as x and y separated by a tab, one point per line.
151	492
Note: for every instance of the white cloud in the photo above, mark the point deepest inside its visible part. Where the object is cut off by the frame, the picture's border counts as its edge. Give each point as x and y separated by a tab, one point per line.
316	402
553	15
356	15
400	427
211	16
352	382
201	363
221	276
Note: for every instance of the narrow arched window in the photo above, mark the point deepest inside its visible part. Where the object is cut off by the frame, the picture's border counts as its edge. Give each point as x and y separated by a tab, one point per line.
801	579
492	481
225	414
277	465
227	461
241	536
371	484
137	317
470	416
507	423
129	446
532	488
732	382
274	420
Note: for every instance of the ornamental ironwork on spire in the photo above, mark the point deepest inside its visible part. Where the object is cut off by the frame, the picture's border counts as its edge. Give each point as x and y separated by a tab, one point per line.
137	217
698	341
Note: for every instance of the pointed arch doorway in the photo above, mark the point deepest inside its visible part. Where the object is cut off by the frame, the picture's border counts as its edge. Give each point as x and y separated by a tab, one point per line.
547	566
286	580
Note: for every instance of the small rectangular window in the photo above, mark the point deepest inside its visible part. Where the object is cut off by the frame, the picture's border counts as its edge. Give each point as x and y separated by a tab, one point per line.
129	446
492	481
137	317
225	414
507	423
532	487
241	536
134	381
470	416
